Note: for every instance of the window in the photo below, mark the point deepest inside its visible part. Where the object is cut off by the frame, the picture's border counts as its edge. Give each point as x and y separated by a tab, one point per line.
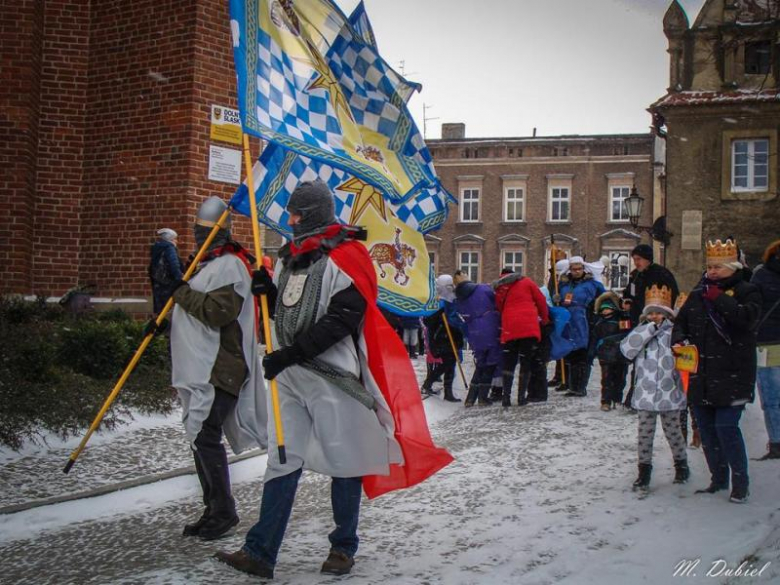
749	165
469	263
560	201
469	205
514	204
432	257
617	207
512	259
619	268
758	57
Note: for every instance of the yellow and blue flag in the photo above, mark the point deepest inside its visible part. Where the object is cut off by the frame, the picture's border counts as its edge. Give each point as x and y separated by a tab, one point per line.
311	81
395	230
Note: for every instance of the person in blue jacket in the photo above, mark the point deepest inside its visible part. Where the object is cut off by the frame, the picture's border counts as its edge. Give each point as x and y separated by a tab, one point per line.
476	303
165	268
577	293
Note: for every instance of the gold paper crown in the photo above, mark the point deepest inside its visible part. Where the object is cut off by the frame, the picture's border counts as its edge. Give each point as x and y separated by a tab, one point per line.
659	296
722	252
681	298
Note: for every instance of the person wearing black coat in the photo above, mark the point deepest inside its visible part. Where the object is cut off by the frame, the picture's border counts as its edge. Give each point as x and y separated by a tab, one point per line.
718	318
767	279
165	268
646	274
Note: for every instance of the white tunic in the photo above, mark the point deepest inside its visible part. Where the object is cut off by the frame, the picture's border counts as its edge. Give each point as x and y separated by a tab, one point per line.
326	430
194	348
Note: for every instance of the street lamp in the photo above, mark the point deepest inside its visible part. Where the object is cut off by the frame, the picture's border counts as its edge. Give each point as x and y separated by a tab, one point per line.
634	203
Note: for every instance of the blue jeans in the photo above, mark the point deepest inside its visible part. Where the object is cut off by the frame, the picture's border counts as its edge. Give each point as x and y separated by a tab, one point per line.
723	444
265	538
769	391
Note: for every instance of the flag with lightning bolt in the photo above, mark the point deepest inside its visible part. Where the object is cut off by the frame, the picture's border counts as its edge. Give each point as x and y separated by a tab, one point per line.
395	230
311	80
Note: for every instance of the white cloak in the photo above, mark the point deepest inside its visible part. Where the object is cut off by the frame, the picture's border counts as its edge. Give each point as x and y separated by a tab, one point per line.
325	430
194	348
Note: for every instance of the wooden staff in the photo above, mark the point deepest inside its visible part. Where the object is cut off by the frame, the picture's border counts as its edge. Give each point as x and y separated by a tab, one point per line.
454	349
250	183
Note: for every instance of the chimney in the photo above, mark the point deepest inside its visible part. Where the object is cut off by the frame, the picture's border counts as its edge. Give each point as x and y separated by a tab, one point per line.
453	131
534	132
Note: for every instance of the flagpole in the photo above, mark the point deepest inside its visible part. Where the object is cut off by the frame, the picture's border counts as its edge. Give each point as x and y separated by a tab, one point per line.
554	274
263	299
454	350
142	348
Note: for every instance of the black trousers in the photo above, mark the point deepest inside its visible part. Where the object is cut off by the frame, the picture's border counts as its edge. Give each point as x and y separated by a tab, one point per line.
211	458
613	381
445	368
526	350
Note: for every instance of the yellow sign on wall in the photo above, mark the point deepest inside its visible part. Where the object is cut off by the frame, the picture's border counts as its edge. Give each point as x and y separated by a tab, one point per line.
225	125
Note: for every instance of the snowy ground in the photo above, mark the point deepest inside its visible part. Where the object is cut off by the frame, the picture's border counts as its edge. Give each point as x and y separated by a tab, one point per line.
536	495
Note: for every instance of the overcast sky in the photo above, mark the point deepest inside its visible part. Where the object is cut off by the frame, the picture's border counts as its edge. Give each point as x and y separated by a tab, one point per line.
504	67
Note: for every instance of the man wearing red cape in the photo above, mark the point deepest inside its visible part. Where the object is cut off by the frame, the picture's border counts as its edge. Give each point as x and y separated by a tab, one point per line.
348	395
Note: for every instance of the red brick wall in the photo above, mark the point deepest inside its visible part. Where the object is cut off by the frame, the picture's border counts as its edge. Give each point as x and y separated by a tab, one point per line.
63	111
21	25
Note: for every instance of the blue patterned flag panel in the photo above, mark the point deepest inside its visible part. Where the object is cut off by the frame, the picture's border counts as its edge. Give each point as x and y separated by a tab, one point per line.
395	231
312	81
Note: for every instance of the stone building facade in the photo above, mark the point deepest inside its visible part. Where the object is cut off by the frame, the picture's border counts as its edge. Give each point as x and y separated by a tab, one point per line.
720	119
516	194
104	136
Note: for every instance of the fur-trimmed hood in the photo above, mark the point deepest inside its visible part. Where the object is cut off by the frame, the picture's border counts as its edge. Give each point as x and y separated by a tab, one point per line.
607	296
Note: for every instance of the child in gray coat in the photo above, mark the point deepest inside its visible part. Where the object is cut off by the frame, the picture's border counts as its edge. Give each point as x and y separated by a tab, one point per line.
658	389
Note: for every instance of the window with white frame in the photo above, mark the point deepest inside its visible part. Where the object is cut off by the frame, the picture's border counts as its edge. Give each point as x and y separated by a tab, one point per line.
619	269
514	204
559	204
468	262
432	257
512	258
469	204
750	165
617	208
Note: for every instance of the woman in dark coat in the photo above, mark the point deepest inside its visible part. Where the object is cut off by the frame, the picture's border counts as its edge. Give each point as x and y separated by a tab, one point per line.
718	318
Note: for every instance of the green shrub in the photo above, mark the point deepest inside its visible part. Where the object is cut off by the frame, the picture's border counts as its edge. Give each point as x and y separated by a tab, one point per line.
56	371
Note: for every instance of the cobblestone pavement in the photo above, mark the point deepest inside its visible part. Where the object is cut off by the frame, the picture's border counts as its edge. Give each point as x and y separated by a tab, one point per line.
537	495
128	454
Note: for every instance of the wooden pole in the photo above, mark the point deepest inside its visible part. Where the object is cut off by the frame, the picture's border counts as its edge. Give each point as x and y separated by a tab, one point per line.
454	349
250	183
142	348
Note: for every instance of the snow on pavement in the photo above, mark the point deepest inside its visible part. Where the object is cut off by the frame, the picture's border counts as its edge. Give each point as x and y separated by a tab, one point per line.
537	495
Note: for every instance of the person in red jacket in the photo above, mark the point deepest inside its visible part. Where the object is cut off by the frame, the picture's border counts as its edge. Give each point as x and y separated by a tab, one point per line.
524	312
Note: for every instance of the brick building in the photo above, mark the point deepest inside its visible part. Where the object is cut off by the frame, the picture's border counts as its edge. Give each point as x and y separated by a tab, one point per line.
721	116
104	136
516	193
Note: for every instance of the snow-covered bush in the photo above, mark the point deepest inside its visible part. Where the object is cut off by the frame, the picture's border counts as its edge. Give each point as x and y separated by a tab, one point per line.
56	371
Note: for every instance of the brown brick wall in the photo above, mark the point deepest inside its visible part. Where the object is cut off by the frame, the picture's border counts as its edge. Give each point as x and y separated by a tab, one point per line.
588	162
105	136
21	25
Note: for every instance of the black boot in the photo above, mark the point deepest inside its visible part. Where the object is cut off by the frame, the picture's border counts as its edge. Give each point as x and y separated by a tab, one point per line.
773	453
241	561
712	488
448	395
578	381
194	528
643	480
681	471
496	393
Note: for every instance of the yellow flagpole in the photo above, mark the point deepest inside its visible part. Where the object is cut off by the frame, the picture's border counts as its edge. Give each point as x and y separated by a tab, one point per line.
142	348
250	183
454	349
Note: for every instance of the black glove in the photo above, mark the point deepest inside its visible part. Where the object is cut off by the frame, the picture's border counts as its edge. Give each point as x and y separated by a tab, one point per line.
153	328
262	283
547	329
276	362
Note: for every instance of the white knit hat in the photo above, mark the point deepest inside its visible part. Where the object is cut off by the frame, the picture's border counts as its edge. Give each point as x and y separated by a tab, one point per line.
167	234
561	266
576	260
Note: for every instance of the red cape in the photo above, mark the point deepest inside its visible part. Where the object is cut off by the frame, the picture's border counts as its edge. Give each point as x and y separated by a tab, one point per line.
389	363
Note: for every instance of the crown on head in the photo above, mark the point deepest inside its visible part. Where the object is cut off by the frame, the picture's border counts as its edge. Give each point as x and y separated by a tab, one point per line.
659	296
722	252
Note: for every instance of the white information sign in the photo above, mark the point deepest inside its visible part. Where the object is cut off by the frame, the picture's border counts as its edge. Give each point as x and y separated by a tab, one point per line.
224	165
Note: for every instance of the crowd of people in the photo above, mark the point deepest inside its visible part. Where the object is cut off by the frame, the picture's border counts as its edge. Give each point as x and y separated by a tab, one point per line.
344	384
637	336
